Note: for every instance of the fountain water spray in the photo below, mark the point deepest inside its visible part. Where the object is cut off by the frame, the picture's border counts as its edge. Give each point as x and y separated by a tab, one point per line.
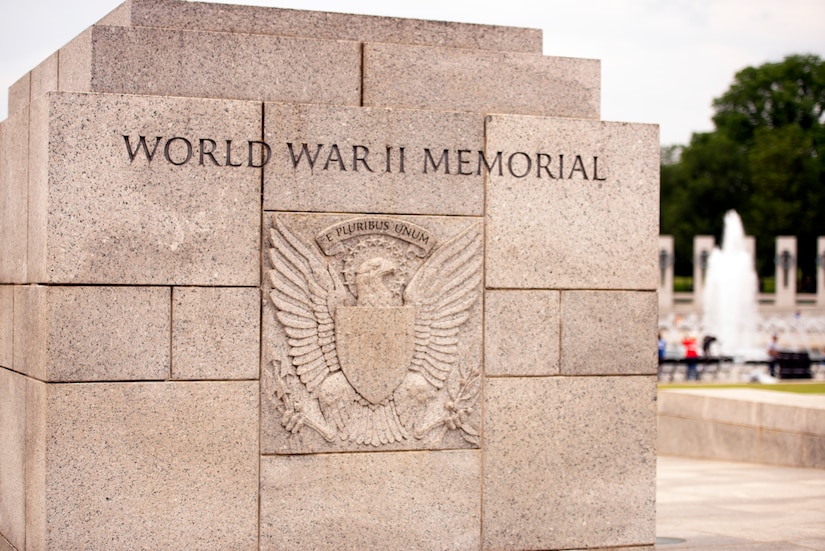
730	293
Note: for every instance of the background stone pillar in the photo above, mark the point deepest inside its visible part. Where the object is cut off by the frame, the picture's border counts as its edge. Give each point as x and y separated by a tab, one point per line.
702	247
820	271
785	271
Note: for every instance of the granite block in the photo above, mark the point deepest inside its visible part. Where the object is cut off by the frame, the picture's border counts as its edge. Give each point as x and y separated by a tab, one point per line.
96	333
166	62
44	76
457	79
109	208
608	333
573	205
558	476
372	332
13	457
412	500
19	93
130	465
521	333
339	159
7	326
215	333
335	26
14	149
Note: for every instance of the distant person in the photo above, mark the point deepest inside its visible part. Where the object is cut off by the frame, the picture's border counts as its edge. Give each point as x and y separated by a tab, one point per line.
773	355
706	342
662	348
691	353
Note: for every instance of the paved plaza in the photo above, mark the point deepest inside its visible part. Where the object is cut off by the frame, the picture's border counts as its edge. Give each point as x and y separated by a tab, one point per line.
717	505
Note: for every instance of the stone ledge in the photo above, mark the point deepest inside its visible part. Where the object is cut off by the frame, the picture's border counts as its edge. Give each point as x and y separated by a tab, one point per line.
200	16
743	425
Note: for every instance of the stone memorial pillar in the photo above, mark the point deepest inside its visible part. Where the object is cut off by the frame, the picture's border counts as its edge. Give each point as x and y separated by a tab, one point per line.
275	279
820	271
702	247
785	261
666	260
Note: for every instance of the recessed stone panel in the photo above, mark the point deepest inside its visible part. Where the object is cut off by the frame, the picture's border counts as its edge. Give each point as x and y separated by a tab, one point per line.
215	333
130	465
371	333
14	150
13	457
412	500
140	190
166	62
569	462
608	332
6	326
336	26
339	159
574	204
521	333
82	333
457	79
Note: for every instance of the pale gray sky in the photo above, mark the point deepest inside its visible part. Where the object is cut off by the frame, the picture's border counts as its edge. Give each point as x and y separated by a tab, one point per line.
663	61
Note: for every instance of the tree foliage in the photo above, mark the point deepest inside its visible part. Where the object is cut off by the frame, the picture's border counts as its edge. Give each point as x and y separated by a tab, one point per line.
765	159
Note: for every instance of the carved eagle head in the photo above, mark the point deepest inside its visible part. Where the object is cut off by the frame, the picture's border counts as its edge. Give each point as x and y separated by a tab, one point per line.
369	282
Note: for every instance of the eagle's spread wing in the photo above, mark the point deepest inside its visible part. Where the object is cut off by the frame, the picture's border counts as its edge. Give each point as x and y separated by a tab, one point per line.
443	290
305	292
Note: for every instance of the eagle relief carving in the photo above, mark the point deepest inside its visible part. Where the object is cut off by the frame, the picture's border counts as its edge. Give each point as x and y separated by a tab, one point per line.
372	315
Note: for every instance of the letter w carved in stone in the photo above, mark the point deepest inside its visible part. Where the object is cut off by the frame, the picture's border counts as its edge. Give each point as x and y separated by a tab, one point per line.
141	145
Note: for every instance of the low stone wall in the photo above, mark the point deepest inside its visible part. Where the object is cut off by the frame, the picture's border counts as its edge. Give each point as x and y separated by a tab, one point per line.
760	426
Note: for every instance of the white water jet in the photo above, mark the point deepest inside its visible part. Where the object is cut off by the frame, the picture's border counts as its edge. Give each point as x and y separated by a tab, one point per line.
730	293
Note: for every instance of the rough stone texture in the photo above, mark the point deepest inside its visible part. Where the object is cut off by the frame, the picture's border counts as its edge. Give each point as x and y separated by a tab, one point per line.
13	457
96	217
608	333
743	425
92	333
6	326
131	465
414	500
454	79
573	233
215	333
14	149
334	418
335	26
165	62
521	334
558	476
349	186
19	94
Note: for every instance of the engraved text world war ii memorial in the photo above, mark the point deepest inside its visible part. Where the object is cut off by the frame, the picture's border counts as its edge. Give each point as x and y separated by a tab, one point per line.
274	279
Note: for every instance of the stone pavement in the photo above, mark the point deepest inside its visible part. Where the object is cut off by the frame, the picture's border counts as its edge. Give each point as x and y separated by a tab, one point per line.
717	505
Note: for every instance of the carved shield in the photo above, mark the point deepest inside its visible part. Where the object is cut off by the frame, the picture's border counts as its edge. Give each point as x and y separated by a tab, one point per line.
375	347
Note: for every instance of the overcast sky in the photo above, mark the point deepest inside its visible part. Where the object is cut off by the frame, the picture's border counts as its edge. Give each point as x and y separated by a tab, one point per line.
663	61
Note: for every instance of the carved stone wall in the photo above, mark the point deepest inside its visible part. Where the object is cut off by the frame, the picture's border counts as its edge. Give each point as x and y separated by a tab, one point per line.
346	282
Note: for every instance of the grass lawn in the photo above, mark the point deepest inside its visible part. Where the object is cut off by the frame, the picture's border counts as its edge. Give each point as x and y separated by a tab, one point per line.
800	388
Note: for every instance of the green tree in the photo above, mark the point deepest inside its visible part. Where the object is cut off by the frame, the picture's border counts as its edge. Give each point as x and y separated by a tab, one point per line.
766	160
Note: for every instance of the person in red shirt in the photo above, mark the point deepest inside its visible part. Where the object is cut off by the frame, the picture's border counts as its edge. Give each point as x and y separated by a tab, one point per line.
691	353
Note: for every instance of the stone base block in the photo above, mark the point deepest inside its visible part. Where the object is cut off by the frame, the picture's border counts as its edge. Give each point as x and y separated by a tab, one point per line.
406	500
131	465
558	476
